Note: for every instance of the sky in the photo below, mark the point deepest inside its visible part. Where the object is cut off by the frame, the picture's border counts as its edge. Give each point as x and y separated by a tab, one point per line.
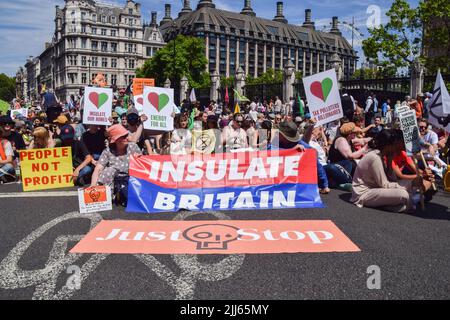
26	25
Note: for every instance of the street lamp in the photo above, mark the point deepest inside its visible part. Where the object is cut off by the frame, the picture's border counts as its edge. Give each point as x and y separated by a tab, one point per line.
174	26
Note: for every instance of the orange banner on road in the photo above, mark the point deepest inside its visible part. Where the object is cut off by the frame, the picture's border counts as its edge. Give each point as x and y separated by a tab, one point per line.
214	237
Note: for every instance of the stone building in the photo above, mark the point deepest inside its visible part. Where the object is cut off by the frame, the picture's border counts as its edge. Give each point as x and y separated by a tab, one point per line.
93	37
242	39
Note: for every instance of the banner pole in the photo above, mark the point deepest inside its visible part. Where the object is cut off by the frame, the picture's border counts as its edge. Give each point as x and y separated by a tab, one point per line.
422	197
433	185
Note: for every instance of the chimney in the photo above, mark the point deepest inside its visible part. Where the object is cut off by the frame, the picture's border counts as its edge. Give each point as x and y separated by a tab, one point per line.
186	8
206	4
308	23
335	27
248	10
280	17
167	17
154	19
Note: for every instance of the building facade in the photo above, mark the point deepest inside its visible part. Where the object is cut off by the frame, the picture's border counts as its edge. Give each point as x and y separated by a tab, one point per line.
94	37
244	40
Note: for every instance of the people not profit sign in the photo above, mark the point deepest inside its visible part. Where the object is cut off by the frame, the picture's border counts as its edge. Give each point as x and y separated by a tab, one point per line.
214	237
97	106
46	168
158	105
227	181
322	93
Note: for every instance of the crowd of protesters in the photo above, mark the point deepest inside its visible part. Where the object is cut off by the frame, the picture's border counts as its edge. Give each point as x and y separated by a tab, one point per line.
362	153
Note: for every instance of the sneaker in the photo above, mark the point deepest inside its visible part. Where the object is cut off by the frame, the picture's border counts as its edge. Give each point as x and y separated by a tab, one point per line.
346	187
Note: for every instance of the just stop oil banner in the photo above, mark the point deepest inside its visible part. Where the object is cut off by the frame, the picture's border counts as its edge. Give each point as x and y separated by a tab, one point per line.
229	181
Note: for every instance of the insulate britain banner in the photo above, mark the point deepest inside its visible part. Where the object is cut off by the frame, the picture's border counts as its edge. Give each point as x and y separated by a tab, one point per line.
229	181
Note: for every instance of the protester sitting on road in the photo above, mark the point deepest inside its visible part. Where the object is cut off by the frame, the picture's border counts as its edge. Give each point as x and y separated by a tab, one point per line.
341	151
233	136
9	134
181	140
429	138
115	159
81	158
7	170
42	139
371	185
94	139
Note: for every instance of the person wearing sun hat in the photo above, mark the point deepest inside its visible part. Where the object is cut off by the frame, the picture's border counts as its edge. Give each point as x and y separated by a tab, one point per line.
342	152
115	159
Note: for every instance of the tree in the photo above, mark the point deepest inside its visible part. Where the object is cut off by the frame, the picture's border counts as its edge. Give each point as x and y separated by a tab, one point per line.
184	56
227	82
7	88
436	41
271	76
400	41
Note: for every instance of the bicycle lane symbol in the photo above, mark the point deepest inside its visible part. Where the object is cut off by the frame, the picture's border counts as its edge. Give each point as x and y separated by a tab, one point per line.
45	279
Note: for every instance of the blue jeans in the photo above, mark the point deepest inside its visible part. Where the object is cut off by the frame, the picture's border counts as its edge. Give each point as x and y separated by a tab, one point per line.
7	170
85	175
336	176
321	173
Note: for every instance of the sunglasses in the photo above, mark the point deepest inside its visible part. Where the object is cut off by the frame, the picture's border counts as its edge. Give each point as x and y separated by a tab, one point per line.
422	128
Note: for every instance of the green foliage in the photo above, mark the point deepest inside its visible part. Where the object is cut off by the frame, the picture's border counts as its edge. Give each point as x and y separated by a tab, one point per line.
436	19
227	82
7	88
298	75
374	73
271	76
399	42
182	56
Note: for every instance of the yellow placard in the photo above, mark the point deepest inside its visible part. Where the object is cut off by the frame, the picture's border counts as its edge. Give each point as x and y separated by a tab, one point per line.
44	169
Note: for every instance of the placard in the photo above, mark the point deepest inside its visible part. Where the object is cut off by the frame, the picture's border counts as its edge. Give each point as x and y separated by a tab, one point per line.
95	199
97	106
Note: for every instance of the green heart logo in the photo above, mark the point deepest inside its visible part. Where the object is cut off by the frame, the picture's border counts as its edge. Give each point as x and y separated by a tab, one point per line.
327	85
98	99
159	102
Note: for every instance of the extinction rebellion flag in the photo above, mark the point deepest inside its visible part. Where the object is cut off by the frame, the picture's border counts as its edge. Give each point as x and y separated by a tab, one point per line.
229	181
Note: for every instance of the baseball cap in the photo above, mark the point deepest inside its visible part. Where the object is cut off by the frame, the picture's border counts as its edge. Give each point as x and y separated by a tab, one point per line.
61	120
67	133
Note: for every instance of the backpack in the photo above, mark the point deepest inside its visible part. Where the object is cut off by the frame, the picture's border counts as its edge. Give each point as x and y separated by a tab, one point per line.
120	193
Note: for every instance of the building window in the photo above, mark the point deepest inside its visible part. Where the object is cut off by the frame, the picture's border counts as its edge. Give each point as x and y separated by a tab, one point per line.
113	63
83	61
149	51
94	17
113	47
83	28
113	20
94	30
104	46
83	16
104	62
83	43
103	32
72	78
94	45
130	11
83	78
113	79
95	61
131	64
103	19
113	33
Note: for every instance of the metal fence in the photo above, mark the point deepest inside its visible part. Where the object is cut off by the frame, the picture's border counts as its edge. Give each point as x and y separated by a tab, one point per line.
264	91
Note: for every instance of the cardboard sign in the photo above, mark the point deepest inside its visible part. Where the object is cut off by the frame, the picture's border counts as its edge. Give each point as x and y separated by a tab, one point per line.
140	83
322	93
139	103
19	113
95	199
214	237
402	109
408	124
44	169
97	106
226	181
158	106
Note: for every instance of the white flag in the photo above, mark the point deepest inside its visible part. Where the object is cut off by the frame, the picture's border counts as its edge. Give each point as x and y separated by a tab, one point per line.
193	98
439	105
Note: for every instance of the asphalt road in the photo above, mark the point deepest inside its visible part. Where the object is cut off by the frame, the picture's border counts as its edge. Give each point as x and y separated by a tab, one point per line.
412	252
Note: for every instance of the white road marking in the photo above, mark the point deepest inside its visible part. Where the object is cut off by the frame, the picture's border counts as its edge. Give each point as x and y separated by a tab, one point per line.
45	279
48	194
